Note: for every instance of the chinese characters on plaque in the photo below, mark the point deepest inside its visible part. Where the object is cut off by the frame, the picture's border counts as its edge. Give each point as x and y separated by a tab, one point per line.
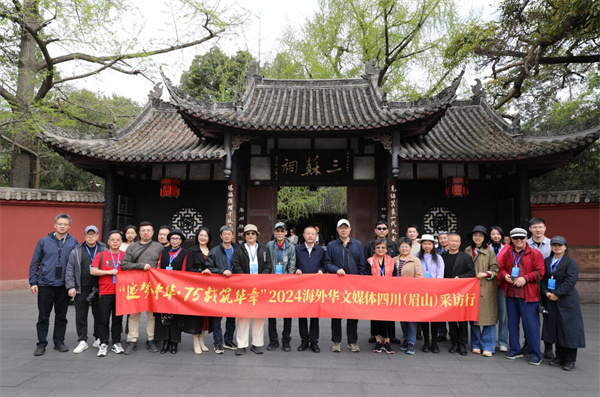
312	166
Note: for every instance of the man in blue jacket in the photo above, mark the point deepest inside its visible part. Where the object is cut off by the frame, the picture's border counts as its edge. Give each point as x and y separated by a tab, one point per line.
309	260
345	256
47	280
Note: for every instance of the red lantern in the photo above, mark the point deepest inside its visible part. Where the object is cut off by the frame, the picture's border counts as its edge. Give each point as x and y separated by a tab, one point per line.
457	187
169	188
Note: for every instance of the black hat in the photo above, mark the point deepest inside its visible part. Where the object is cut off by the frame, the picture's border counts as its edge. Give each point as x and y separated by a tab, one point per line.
480	229
177	232
558	240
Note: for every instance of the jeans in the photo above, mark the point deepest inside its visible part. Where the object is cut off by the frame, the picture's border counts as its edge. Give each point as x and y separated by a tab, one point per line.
502	320
218	331
483	339
409	331
517	309
58	298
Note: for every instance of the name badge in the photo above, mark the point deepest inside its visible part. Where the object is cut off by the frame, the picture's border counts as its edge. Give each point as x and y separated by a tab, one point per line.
279	269
169	268
551	283
427	275
254	268
514	272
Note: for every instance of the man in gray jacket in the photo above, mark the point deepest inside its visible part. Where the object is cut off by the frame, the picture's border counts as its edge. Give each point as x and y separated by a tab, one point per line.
81	286
283	257
142	255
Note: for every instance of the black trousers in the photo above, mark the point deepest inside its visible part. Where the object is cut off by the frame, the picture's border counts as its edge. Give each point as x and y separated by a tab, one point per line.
382	328
434	330
351	330
49	297
459	332
565	354
285	335
82	308
171	333
306	334
108	309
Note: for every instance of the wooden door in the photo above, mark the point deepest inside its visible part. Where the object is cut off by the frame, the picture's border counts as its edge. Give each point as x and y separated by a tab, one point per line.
262	210
362	211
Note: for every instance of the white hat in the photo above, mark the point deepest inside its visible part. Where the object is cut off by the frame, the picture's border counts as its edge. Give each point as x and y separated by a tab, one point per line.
342	222
427	237
518	232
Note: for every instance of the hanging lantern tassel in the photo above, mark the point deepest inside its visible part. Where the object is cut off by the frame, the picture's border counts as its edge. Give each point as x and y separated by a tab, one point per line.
457	187
169	188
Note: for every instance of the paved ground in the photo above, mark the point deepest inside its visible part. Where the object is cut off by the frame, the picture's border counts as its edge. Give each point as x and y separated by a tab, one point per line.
275	373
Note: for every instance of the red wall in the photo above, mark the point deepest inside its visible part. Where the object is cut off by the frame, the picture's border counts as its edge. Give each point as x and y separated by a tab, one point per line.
578	223
23	223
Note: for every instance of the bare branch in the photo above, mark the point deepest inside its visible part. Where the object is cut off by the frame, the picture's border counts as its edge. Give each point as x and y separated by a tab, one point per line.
81	76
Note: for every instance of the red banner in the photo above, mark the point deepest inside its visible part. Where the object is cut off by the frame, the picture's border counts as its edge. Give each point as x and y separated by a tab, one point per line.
307	295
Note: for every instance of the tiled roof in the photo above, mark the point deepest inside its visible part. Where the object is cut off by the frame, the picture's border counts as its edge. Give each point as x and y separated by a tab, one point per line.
158	134
471	130
312	105
21	194
566	197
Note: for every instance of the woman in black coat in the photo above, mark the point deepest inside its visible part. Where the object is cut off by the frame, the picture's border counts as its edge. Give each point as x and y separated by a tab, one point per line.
563	324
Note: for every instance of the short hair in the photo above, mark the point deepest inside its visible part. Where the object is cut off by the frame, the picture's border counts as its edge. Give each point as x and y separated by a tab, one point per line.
442	232
453	234
380	241
535	221
62	216
146	223
120	233
309	227
165	227
225	228
381	222
412	225
404	240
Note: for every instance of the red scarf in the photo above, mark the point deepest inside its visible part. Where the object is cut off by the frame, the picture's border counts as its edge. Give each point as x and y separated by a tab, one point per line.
388	264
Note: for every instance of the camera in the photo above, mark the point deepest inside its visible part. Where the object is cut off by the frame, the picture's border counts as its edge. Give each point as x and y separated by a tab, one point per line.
542	310
92	294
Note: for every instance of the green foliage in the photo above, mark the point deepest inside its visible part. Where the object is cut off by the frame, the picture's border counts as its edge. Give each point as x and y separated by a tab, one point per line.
283	66
296	203
215	76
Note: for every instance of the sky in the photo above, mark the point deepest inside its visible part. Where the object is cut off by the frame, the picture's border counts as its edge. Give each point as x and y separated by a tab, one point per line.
260	36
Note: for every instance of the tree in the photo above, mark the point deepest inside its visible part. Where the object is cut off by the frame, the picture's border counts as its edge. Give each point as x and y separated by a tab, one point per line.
400	35
216	77
50	44
535	45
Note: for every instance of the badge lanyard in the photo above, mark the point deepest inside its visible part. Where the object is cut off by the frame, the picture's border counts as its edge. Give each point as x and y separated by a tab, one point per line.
252	259
172	258
427	263
553	266
115	264
90	254
515	269
229	257
279	266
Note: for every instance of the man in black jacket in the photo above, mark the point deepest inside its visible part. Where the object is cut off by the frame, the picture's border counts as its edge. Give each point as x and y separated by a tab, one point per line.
457	264
251	258
220	261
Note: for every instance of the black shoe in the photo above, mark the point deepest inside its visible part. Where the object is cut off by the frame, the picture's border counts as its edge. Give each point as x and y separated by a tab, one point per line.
557	362
303	346
372	339
462	349
240	351
230	345
378	347
286	347
61	347
434	347
151	346
131	348
272	346
165	347
419	334
426	348
453	348
39	351
570	366
442	338
315	347
548	353
174	348
256	349
395	341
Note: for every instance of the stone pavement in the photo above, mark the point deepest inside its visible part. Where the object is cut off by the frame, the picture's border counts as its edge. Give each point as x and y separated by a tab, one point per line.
274	373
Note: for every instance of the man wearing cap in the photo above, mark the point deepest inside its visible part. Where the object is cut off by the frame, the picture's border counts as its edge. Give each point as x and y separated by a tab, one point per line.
309	260
142	255
220	261
251	258
520	269
82	286
47	280
345	255
283	258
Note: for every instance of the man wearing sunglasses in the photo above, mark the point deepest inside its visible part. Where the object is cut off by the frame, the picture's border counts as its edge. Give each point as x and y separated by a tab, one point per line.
520	269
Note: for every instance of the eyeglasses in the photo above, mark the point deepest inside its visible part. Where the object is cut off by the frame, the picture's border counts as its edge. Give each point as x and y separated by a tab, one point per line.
381	248
382	228
518	238
251	233
175	238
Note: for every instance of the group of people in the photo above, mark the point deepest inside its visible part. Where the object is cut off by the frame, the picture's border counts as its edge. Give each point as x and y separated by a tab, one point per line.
519	280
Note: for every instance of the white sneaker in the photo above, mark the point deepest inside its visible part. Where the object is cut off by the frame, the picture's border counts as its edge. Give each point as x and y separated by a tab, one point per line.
96	343
81	347
117	348
102	350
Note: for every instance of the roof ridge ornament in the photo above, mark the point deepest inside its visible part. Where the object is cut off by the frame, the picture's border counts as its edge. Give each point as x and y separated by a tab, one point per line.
156	91
478	91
